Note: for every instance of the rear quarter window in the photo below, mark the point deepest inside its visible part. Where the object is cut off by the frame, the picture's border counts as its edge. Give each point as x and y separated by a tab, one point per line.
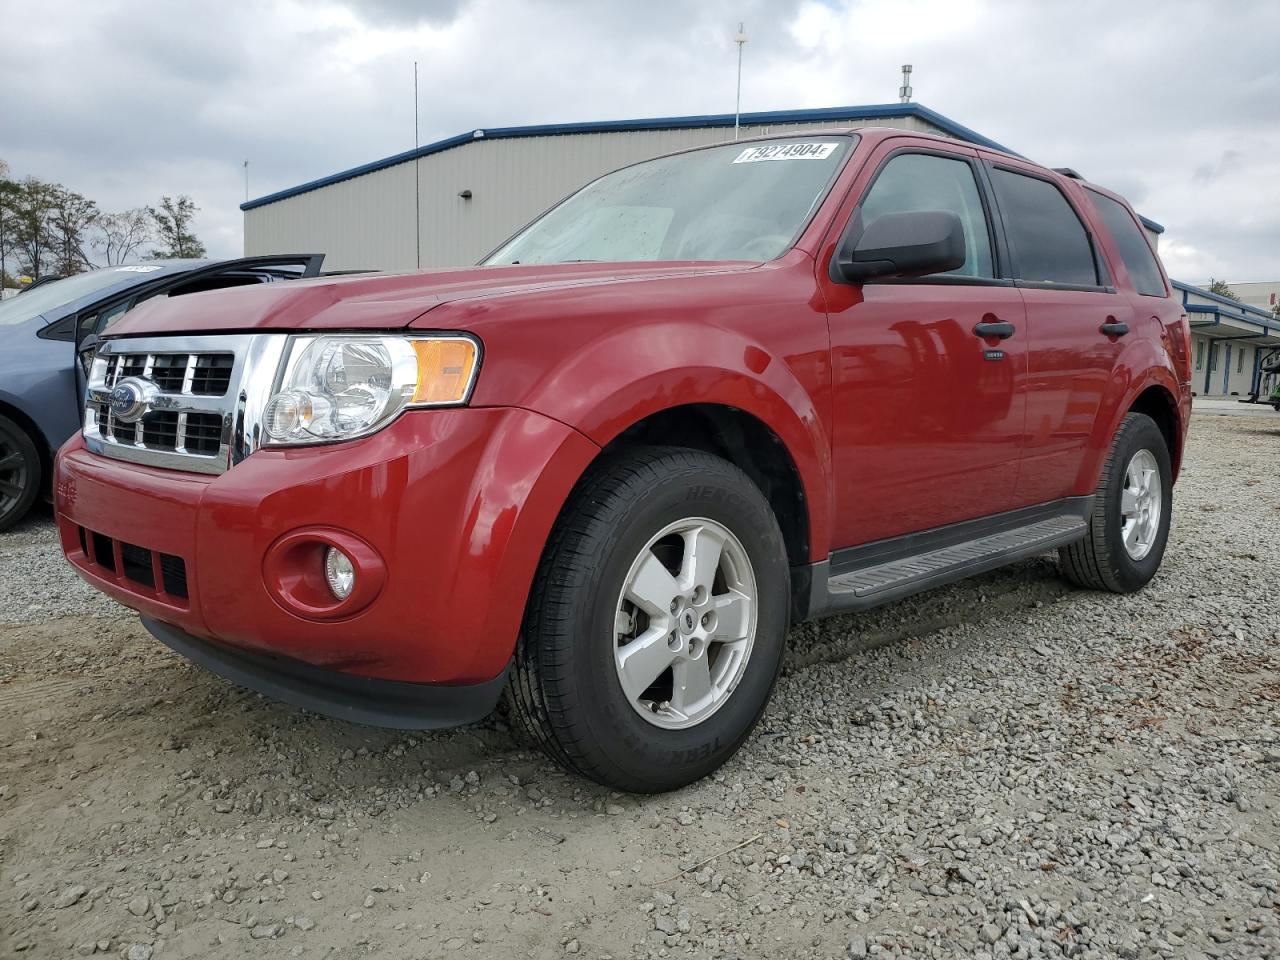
1135	252
1050	244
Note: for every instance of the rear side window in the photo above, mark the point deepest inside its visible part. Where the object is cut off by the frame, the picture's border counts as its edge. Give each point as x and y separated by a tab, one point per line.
1050	244
913	182
1134	249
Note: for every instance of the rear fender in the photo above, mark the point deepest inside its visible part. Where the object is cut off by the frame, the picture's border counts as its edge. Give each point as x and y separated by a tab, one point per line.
1141	367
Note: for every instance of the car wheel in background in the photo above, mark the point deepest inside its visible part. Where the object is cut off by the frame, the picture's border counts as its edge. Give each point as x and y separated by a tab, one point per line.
19	473
1129	527
655	627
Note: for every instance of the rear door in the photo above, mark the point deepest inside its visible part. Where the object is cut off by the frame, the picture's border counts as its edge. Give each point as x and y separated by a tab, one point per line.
929	412
1071	302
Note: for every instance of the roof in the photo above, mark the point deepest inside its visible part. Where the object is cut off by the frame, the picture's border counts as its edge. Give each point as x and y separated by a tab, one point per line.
1222	306
881	111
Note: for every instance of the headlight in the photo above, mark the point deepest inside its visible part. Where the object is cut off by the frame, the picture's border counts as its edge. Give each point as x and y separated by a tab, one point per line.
342	387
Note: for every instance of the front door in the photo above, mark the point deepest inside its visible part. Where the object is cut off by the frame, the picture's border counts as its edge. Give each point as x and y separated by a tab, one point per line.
928	383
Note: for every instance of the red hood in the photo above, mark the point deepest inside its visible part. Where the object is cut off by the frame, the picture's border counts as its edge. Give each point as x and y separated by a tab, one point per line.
386	301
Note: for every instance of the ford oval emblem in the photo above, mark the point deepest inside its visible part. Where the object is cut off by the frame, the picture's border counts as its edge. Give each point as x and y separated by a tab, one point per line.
130	398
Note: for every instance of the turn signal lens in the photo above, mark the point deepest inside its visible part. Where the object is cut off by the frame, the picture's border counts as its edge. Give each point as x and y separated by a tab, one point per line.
445	370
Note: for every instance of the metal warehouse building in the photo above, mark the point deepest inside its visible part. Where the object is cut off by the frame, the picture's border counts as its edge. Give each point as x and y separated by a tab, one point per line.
475	190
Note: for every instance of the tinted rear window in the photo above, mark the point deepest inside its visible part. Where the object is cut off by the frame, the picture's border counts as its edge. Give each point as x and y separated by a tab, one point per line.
1050	244
1134	249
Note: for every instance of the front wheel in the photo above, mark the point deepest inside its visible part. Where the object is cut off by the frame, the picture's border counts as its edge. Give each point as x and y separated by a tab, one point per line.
1129	527
655	627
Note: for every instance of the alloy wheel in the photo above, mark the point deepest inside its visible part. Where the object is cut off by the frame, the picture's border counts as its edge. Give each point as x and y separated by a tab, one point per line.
14	474
685	623
1141	501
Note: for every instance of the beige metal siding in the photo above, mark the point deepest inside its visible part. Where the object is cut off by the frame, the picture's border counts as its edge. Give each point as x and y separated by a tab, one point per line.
364	223
367	222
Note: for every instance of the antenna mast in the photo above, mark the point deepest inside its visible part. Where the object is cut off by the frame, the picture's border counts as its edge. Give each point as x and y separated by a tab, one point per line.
417	188
904	91
741	41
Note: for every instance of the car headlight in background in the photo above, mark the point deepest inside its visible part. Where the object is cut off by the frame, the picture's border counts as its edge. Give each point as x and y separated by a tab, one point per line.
347	386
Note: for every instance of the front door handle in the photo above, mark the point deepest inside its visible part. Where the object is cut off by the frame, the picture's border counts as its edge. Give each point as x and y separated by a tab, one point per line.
1113	329
999	329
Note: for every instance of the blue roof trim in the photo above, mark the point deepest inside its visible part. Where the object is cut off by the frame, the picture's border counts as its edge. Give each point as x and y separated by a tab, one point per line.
1243	311
883	111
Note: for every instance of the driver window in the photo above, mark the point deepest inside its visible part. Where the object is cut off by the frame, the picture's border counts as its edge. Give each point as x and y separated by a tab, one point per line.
105	318
915	182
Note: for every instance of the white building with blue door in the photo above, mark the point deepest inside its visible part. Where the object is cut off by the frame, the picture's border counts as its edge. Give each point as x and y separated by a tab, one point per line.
1230	344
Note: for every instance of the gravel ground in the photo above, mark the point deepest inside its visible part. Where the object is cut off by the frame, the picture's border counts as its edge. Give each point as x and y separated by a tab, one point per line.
1004	768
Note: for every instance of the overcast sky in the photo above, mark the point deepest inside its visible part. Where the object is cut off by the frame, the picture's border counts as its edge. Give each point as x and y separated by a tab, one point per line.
1175	104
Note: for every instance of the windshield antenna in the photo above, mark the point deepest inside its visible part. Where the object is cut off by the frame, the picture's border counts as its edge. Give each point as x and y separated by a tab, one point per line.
740	40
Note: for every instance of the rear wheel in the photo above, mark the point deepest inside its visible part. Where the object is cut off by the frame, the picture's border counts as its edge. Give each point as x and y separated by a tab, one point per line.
655	627
20	473
1129	527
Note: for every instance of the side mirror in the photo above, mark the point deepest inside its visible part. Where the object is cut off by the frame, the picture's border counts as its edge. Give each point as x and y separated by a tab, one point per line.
913	244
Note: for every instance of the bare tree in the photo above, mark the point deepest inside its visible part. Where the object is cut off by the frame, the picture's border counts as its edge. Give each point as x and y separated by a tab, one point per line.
173	228
8	196
121	235
33	210
69	222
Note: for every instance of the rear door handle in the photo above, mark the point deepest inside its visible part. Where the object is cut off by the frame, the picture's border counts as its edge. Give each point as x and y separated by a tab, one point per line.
1113	329
999	329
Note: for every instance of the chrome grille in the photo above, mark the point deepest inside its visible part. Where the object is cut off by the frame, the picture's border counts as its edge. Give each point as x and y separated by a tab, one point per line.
204	398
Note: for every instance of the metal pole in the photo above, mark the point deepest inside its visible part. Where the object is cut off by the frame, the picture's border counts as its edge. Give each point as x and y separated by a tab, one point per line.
246	181
417	189
740	40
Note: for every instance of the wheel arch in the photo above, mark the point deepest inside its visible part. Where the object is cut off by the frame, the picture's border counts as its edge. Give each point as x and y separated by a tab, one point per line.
746	441
32	429
1159	404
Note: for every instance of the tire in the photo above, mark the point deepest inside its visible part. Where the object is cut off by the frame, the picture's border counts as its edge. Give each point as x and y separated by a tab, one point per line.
567	689
20	473
1103	560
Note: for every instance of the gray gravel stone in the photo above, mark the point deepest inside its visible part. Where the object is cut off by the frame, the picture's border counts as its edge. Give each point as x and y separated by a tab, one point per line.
1003	768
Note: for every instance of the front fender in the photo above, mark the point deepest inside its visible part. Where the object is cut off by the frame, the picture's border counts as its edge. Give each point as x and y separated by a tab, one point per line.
626	375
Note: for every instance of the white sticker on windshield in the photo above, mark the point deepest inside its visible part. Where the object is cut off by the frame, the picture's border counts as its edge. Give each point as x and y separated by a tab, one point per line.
786	151
138	268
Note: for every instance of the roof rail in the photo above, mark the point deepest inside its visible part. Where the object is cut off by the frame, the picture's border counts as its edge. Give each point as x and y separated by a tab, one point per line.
1067	172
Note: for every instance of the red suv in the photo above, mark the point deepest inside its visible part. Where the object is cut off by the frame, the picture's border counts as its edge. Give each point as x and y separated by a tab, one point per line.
703	398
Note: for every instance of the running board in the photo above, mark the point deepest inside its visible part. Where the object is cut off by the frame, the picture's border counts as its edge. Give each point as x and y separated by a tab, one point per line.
878	573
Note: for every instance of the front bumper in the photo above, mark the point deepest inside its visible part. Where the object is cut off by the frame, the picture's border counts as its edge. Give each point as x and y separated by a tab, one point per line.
343	696
456	503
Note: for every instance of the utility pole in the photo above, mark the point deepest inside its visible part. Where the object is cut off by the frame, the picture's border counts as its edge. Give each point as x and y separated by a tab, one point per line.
741	41
417	188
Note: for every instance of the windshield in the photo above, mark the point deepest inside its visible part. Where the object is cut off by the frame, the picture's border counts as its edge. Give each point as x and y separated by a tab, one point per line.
50	296
733	202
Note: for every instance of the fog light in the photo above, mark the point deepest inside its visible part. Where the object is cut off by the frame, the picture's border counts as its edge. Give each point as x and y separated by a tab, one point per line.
339	572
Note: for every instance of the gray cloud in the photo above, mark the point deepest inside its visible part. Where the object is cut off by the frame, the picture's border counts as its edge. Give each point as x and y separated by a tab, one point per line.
1206	173
125	100
407	11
